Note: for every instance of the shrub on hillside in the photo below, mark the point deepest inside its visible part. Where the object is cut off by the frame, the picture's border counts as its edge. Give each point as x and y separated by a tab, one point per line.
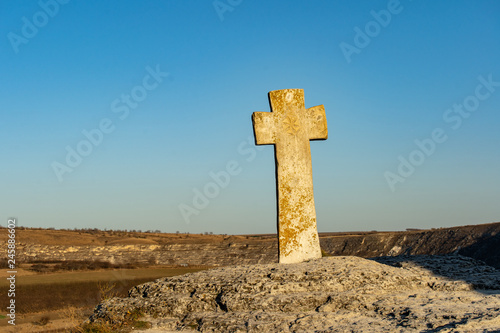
4	263
82	265
40	268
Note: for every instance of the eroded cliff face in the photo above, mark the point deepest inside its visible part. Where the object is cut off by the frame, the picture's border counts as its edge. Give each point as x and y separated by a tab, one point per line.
221	254
479	241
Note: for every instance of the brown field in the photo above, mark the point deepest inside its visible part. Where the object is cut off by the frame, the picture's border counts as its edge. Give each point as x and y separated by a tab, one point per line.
43	299
45	302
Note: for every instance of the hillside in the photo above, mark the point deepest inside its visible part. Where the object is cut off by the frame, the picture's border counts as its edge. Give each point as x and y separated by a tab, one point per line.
34	245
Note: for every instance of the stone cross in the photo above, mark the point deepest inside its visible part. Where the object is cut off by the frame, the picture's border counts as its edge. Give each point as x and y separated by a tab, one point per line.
289	127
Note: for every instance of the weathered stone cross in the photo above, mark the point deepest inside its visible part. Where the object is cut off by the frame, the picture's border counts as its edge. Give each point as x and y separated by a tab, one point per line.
290	127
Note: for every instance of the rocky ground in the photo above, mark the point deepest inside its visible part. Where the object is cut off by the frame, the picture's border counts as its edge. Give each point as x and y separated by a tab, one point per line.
448	293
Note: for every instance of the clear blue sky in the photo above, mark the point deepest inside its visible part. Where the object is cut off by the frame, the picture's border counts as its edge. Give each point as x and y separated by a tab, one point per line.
387	72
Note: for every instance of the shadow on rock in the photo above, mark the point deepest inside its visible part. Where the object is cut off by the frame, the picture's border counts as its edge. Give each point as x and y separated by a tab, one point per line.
487	249
453	267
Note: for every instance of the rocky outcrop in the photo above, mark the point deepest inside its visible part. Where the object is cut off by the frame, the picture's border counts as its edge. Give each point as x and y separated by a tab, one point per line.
335	294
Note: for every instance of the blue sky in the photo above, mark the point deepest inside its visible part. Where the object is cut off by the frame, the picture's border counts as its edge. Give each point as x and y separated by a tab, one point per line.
166	89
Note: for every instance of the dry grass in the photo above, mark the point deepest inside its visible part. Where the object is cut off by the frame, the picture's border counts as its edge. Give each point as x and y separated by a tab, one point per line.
107	290
48	292
75	317
44	320
102	275
61	302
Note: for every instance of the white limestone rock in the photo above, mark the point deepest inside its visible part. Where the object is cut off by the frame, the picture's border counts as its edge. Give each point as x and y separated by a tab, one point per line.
336	294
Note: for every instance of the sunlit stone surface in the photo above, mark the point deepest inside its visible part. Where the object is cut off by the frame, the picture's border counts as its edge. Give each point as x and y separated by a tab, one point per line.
289	127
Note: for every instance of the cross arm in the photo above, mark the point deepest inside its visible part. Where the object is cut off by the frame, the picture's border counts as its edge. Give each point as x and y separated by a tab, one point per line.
264	128
318	129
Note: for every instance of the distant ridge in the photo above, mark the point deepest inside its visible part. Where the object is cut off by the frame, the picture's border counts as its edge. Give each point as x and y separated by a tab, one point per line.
481	242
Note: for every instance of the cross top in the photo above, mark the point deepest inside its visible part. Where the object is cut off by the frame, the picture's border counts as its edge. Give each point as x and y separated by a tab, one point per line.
289	114
289	127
